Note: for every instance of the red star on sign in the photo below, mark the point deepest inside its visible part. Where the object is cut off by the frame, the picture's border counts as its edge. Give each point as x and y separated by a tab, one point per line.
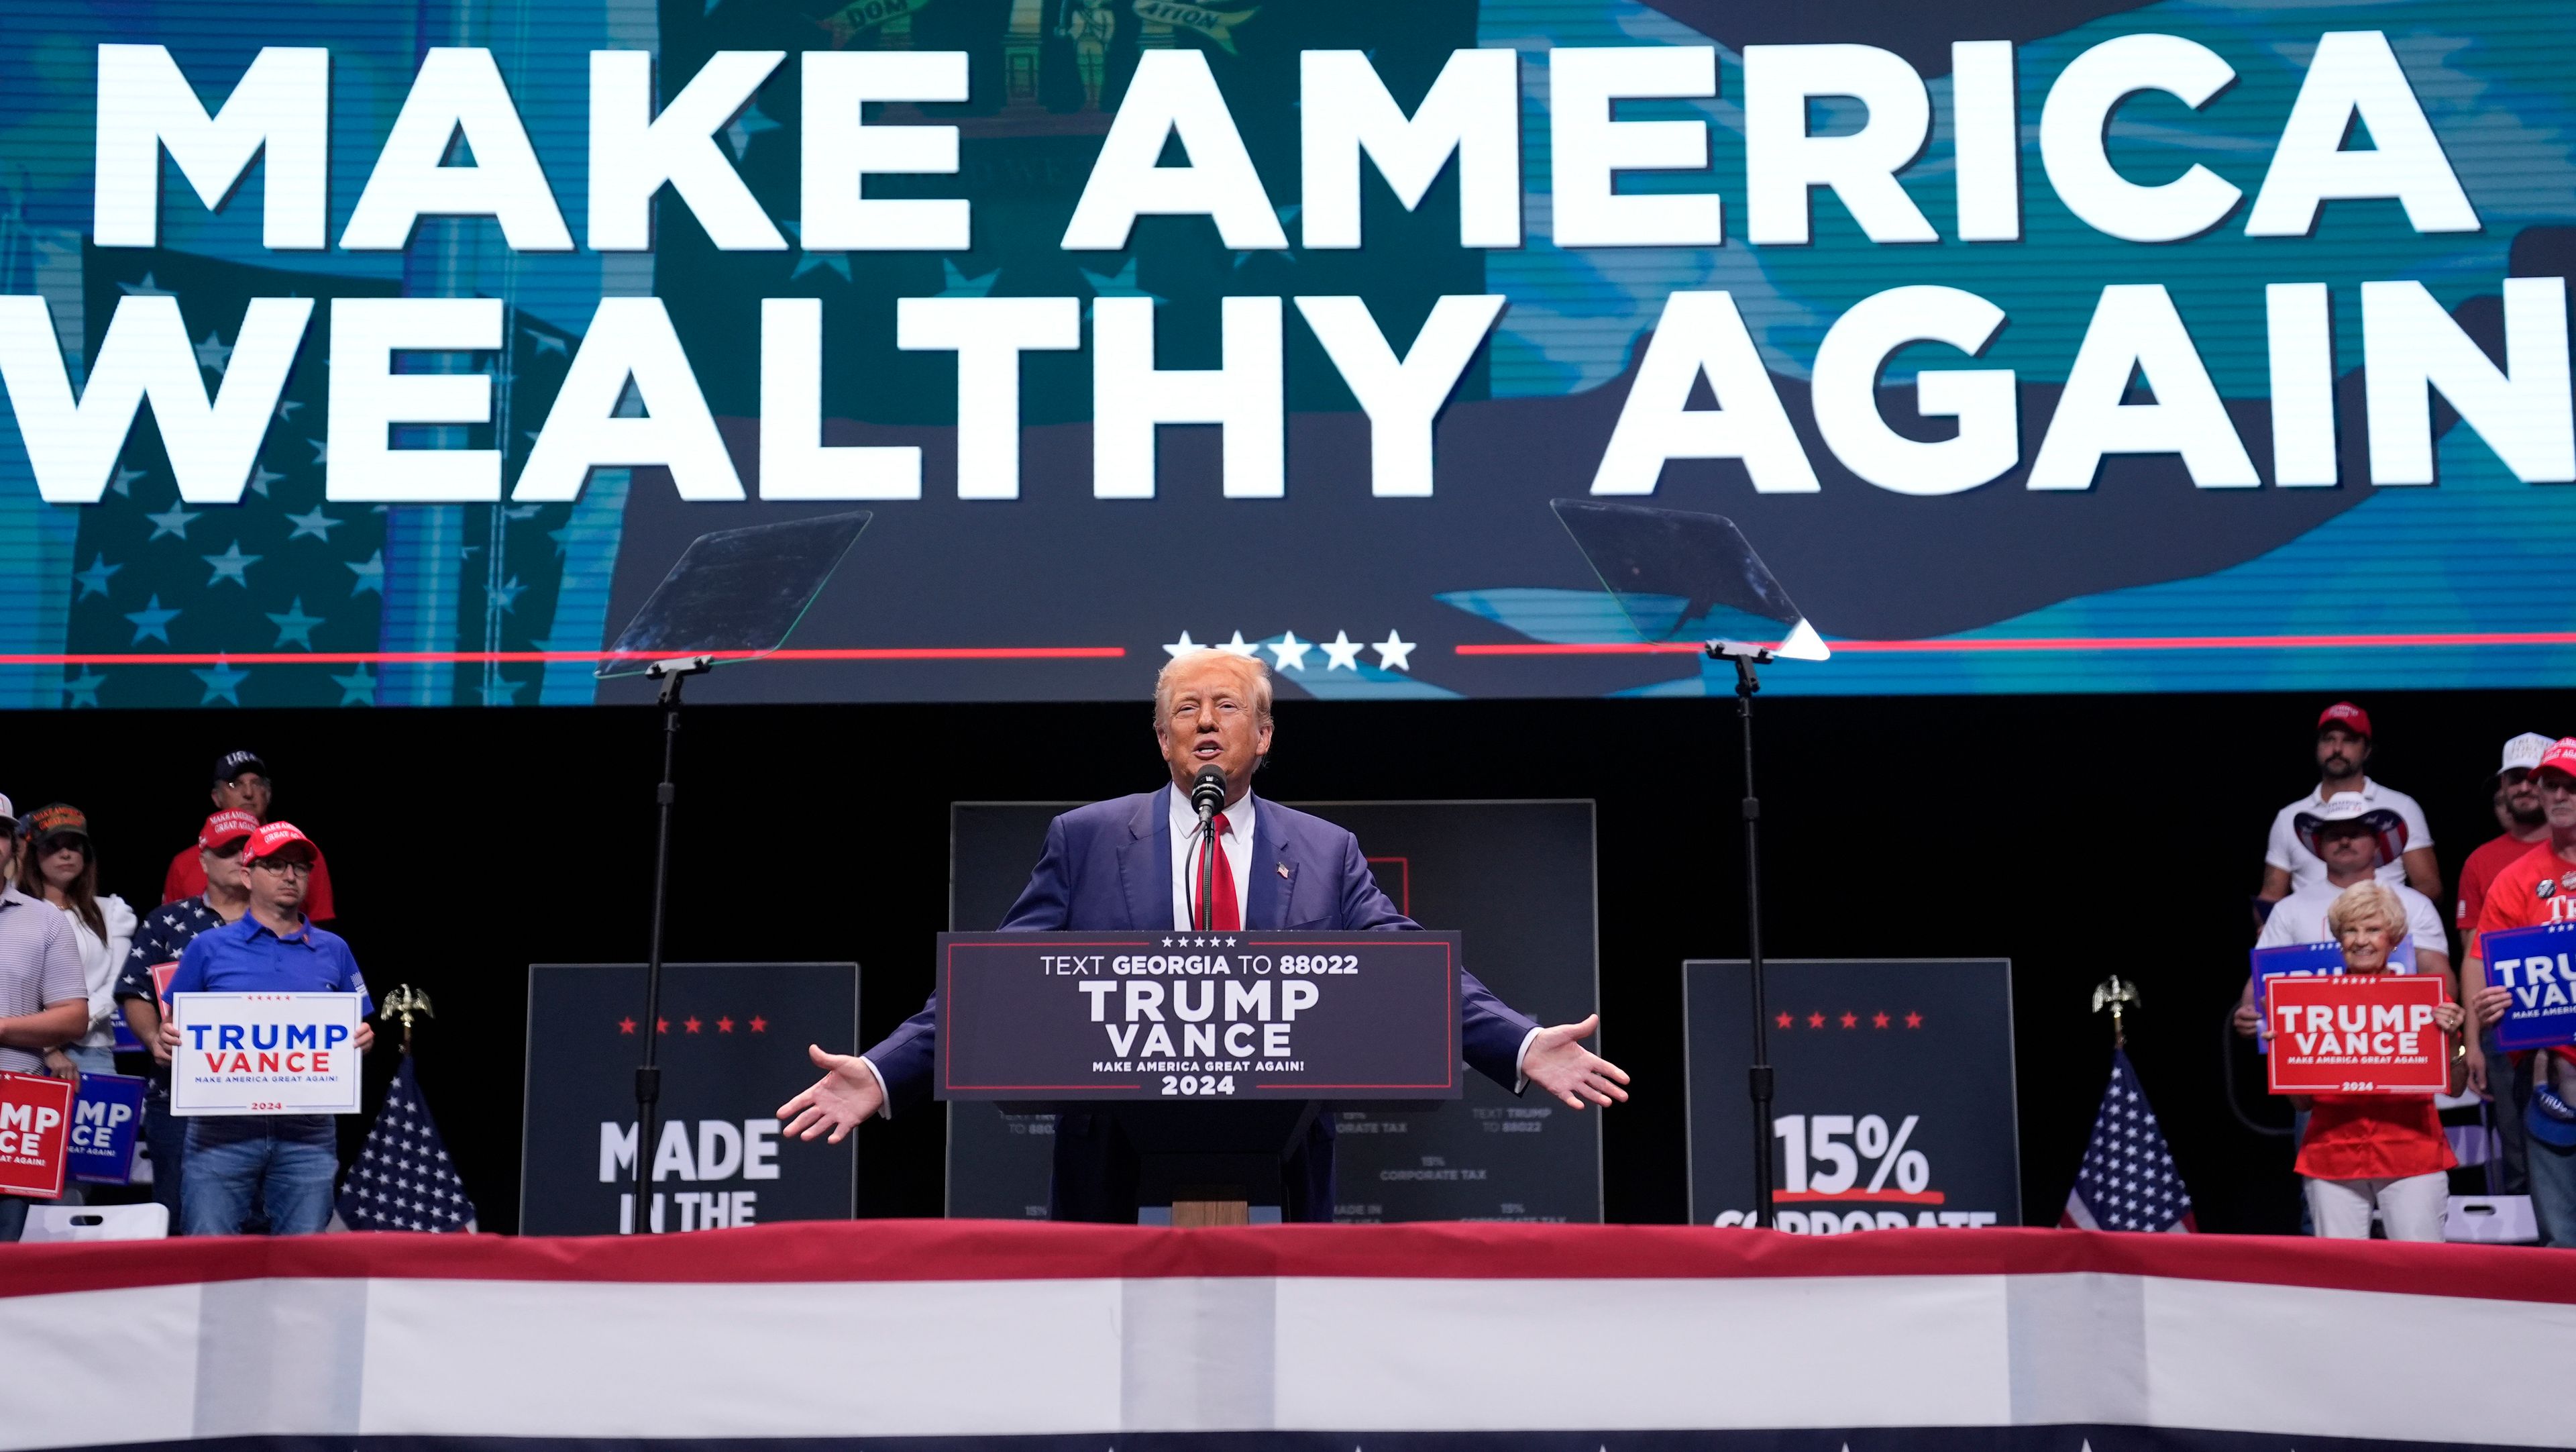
1815	1020
626	1025
1785	1020
724	1025
692	1024
1914	1020
759	1025
1851	1020
1878	1020
661	1025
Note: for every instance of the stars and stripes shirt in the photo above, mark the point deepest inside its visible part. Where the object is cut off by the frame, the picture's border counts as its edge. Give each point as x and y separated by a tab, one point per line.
164	934
2128	1181
403	1179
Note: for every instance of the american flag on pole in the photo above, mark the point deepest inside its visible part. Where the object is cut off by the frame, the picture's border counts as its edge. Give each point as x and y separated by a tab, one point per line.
403	1179
2128	1181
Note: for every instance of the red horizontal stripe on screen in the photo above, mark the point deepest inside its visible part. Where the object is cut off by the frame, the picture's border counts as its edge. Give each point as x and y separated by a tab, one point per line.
563	657
2067	643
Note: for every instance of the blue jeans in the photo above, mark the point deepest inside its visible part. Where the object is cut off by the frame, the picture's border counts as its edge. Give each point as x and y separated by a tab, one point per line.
2553	1192
285	1165
2510	1084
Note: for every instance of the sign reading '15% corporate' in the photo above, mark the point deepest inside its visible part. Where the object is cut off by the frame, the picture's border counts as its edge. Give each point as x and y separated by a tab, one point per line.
1198	1015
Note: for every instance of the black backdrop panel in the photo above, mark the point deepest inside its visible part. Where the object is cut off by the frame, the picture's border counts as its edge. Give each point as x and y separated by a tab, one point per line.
732	1052
1515	877
1894	1098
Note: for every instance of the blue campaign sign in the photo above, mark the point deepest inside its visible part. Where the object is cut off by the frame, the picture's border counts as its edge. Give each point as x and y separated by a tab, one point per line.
107	1117
2534	963
2312	960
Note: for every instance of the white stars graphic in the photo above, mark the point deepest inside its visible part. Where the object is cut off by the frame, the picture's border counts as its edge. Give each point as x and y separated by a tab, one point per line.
231	565
1394	653
1289	652
1342	653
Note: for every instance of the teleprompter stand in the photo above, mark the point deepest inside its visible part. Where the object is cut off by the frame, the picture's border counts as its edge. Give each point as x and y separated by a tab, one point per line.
734	595
1677	575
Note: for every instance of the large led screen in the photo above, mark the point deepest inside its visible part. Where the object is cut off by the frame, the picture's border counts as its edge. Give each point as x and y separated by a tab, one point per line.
376	353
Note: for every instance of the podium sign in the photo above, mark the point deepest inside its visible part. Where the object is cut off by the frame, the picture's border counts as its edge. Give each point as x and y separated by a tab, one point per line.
2357	1034
1168	1015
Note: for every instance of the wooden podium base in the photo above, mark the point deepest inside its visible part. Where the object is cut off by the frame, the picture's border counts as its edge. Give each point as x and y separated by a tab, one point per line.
1188	1213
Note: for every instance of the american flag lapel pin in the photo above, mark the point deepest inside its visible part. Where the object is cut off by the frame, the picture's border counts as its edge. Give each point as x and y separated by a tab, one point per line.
1283	870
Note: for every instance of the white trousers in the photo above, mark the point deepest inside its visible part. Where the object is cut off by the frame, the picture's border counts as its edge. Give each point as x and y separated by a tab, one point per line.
2409	1208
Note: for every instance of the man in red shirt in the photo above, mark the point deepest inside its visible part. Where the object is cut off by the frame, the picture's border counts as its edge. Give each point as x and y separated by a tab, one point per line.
2493	1073
2540	887
242	785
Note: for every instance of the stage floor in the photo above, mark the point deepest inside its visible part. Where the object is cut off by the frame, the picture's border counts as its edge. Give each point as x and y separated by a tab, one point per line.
940	1333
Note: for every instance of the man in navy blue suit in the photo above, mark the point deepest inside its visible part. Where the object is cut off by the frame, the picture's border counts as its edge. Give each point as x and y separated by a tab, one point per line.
1127	864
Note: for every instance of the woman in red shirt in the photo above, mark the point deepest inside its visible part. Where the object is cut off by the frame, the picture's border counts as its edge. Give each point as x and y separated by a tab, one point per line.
2383	1151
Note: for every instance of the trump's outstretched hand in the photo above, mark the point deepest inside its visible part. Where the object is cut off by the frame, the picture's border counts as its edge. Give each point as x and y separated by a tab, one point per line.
839	1102
1558	1063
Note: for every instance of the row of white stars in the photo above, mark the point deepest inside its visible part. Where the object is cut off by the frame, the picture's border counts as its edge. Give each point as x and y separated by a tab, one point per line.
1341	653
1199	942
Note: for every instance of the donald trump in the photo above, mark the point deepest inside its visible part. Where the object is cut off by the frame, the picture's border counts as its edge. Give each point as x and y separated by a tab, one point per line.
1127	864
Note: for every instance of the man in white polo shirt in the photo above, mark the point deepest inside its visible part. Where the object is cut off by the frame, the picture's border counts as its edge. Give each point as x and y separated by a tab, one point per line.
2352	839
2343	748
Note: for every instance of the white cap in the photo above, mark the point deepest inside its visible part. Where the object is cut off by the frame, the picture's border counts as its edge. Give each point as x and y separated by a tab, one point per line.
2521	753
9	813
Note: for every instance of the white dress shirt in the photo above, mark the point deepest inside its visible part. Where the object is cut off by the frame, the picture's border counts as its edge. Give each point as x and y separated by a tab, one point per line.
1237	838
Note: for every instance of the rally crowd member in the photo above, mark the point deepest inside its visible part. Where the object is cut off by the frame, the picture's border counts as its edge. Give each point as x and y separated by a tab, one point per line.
2343	749
2537	888
165	934
59	866
44	1002
242	784
2493	1073
285	1163
2354	840
2387	1152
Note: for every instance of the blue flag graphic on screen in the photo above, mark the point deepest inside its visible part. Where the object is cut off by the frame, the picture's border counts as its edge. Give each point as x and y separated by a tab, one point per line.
2128	1181
403	1179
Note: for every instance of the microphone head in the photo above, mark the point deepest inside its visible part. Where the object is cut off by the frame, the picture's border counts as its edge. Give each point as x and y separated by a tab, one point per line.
1207	790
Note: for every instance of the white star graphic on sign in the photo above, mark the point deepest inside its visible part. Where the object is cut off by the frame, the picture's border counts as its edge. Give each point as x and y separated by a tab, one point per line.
316	524
146	288
82	689
507	596
1342	653
214	352
546	342
286	407
1181	647
321	450
1291	652
370	573
174	520
749	124
260	479
223	683
1238	646
123	483
230	566
1392	653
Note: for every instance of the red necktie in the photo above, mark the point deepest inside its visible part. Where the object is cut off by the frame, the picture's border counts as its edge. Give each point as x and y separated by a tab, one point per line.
1227	914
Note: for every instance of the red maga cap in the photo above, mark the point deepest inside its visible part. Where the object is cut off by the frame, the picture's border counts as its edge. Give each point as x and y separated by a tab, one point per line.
2346	715
225	827
2561	756
273	836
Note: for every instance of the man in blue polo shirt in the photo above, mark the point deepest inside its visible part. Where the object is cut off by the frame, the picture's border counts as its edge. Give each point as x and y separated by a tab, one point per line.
283	1163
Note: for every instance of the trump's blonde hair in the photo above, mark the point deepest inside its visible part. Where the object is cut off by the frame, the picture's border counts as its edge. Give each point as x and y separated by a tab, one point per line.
1255	672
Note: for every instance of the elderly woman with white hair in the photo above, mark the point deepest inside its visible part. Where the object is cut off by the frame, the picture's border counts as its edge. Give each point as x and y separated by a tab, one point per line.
2378	1151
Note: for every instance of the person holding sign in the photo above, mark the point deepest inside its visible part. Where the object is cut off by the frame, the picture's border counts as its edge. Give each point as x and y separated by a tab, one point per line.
2356	841
2382	1151
1127	865
286	1162
44	1000
2536	890
149	963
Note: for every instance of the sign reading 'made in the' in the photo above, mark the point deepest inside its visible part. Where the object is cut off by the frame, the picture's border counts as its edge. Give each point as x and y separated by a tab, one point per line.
1170	1015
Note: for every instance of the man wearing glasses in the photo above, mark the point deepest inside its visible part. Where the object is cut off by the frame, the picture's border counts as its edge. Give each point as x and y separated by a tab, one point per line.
242	784
166	933
2540	888
283	1163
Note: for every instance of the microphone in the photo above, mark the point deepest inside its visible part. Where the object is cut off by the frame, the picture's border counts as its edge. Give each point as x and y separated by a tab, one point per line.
1207	793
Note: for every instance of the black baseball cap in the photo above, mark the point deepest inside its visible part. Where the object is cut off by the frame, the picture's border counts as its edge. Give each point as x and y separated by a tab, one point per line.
232	764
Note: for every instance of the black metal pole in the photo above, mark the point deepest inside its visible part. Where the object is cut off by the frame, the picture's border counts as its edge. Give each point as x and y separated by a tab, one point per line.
648	1075
1759	1078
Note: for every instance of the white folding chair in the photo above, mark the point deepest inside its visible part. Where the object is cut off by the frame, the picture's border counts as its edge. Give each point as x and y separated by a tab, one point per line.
2490	1220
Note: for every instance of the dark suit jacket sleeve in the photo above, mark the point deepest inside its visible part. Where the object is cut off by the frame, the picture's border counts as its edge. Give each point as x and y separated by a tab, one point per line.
1490	1031
905	1058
